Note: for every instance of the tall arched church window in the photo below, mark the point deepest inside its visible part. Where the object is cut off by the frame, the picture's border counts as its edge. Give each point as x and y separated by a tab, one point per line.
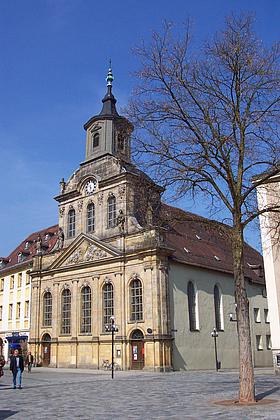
192	303
136	300
47	309
95	140
111	211
108	304
218	308
86	310
90	218
71	223
66	312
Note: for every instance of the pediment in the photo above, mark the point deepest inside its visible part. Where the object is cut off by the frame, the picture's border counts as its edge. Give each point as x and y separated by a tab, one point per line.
84	250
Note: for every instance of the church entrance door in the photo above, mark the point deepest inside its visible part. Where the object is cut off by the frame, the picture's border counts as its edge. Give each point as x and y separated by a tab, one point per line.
46	350
137	350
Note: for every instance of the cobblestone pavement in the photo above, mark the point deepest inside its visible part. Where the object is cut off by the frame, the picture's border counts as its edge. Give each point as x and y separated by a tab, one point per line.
86	395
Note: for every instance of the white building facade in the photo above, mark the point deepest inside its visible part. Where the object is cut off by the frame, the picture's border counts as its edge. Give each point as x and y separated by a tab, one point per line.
269	195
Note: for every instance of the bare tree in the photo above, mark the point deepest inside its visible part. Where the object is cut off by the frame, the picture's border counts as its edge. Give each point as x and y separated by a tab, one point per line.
208	122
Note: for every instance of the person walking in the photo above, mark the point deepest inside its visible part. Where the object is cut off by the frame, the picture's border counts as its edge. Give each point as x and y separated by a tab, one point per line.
17	367
2	364
29	361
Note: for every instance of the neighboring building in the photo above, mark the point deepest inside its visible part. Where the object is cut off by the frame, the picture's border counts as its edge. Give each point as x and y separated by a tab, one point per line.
15	291
269	195
165	275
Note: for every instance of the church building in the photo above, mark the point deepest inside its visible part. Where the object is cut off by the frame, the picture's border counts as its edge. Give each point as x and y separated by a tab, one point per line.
161	276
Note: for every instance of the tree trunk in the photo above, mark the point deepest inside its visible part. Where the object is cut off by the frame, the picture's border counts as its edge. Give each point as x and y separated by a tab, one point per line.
246	369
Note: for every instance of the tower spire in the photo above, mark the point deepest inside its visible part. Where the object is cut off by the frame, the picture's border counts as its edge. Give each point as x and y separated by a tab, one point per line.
109	101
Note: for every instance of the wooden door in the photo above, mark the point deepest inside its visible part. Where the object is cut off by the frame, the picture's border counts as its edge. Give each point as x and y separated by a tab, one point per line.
137	354
46	356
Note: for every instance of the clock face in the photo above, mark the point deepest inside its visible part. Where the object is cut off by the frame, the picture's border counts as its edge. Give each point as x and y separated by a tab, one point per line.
91	186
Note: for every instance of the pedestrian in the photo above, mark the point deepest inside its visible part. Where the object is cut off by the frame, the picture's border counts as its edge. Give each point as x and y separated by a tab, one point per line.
2	364
29	361
17	367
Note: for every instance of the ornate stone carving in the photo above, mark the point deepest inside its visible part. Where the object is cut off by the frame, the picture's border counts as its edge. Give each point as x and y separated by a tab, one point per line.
39	243
121	220
80	206
75	257
94	253
66	286
100	198
47	289
121	191
60	240
61	211
135	276
71	207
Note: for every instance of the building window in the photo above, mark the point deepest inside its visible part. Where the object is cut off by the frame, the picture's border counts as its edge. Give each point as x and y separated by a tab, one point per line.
66	312
90	218
218	308
12	282
18	310
1	312
192	303
257	315
111	211
19	280
71	223
95	140
108	304
47	309
136	300
266	316
259	342
10	311
2	282
86	310
268	342
26	309
27	278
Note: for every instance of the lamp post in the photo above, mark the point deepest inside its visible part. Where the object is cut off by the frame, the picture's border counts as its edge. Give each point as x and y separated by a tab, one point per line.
112	328
215	335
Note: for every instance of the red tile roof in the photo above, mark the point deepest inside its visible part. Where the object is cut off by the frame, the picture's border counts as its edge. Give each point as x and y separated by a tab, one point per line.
31	250
206	243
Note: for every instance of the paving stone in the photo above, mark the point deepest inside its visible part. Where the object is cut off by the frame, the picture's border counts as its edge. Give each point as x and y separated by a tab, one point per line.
89	395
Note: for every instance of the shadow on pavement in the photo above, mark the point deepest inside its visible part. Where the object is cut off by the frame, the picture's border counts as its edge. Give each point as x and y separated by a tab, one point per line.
4	414
266	393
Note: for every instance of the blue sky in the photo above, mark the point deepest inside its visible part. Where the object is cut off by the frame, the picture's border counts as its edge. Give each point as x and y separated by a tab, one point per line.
54	59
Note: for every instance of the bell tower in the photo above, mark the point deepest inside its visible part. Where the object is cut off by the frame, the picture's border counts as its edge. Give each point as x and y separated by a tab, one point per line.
108	133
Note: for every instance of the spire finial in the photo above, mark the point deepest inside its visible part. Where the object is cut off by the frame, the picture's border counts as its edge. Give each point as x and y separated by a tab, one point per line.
110	77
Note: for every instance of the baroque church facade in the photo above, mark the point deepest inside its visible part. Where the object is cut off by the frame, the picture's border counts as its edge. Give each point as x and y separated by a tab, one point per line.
163	275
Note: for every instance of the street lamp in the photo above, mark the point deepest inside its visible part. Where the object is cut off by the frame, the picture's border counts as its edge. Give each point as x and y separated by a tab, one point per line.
112	328
215	335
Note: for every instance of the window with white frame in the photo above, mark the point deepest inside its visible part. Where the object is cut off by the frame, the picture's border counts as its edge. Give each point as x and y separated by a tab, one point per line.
86	310
257	315
259	342
192	304
2	282
19	280
66	312
268	342
47	309
111	211
1	312
108	304
10	315
266	316
18	310
26	309
136	300
90	218
71	223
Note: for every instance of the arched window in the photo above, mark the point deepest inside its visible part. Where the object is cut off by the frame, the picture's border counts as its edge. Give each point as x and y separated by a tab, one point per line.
90	218
86	310
111	211
71	223
66	312
95	140
47	309
192	301
108	304
136	300
218	308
